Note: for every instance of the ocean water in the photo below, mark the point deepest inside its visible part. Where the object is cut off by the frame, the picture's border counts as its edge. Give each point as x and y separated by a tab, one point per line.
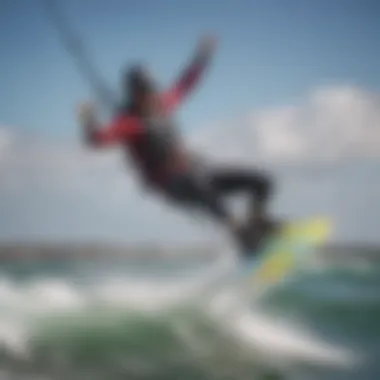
118	319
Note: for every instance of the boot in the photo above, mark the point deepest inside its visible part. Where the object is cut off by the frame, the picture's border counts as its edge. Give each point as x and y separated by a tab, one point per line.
244	239
259	226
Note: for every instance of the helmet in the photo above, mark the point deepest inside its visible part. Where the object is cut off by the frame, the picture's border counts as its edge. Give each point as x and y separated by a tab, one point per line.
137	77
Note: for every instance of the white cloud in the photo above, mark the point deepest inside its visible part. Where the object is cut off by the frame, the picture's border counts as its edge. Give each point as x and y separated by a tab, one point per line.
59	189
333	123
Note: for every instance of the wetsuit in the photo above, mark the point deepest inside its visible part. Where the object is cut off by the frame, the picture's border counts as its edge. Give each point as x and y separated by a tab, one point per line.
165	165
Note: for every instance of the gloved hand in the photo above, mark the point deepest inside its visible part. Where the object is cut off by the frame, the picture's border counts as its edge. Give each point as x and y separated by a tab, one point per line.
86	114
207	44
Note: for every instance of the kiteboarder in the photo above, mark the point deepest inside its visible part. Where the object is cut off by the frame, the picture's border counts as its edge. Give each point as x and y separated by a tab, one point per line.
144	126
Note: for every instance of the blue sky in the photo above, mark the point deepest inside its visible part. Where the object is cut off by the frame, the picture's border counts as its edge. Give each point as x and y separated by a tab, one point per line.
271	52
292	82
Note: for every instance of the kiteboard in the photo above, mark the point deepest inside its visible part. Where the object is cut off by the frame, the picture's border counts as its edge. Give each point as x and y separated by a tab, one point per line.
283	251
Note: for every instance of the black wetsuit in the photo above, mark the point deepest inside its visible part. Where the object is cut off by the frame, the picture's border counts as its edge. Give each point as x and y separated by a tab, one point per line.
158	153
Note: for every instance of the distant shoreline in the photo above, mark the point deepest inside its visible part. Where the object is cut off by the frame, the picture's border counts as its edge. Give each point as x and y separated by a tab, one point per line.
46	251
31	251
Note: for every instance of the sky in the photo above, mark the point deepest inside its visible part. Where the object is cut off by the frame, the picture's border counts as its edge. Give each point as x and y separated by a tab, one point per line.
293	82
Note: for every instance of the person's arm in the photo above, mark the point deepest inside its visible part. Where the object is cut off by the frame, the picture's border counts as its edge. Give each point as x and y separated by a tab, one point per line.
96	135
191	75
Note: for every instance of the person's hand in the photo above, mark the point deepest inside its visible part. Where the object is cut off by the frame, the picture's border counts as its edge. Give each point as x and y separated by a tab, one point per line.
86	113
207	44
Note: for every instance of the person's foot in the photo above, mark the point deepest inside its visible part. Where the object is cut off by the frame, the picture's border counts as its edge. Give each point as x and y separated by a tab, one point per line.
253	235
245	239
240	233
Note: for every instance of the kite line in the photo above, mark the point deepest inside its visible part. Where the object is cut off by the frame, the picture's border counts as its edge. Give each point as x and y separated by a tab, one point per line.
75	47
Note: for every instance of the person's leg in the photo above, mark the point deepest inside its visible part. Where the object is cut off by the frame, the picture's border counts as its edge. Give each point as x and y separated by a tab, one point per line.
206	192
188	189
259	187
256	183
